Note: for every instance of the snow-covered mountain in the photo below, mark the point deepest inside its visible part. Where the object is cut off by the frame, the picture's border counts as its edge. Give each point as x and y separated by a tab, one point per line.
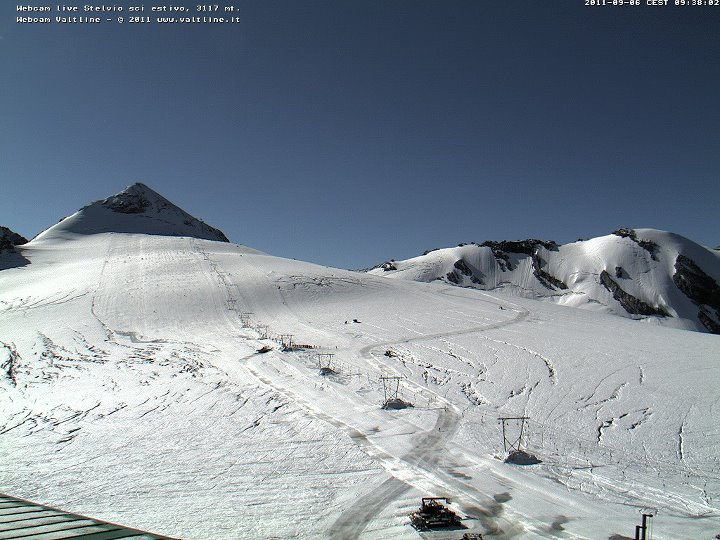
638	273
136	209
132	389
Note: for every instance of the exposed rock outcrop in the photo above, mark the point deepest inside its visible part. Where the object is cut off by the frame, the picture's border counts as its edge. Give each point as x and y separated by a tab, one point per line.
702	289
130	201
549	281
9	239
140	199
650	247
710	323
695	283
526	247
461	269
631	304
9	256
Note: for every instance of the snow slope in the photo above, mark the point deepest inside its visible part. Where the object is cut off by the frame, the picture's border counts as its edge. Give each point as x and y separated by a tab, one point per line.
646	274
131	390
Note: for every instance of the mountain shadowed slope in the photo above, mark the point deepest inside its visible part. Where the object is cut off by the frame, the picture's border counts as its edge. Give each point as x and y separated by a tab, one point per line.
9	255
9	239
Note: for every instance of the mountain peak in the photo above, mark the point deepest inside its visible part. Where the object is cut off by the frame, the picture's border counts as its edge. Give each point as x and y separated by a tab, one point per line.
140	199
136	209
134	199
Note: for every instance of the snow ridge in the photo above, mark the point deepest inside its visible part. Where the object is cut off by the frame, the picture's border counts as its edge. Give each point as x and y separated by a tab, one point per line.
646	274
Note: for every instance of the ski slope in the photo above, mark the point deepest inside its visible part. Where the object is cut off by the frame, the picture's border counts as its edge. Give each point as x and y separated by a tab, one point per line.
131	390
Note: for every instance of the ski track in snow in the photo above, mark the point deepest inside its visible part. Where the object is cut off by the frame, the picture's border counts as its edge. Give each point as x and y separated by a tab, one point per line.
428	449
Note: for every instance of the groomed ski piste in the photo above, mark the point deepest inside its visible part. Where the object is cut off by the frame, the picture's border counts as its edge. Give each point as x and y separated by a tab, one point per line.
131	390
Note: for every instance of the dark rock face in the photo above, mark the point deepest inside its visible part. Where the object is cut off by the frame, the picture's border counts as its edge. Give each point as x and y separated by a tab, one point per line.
9	239
527	247
388	266
629	302
9	256
127	203
695	283
503	260
549	281
140	199
650	247
711	324
501	251
452	277
701	289
463	267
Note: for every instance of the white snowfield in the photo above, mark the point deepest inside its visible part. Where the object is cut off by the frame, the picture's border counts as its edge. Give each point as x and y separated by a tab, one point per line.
131	391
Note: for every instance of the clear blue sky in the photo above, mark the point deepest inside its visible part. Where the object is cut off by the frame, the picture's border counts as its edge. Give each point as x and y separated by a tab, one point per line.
351	132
